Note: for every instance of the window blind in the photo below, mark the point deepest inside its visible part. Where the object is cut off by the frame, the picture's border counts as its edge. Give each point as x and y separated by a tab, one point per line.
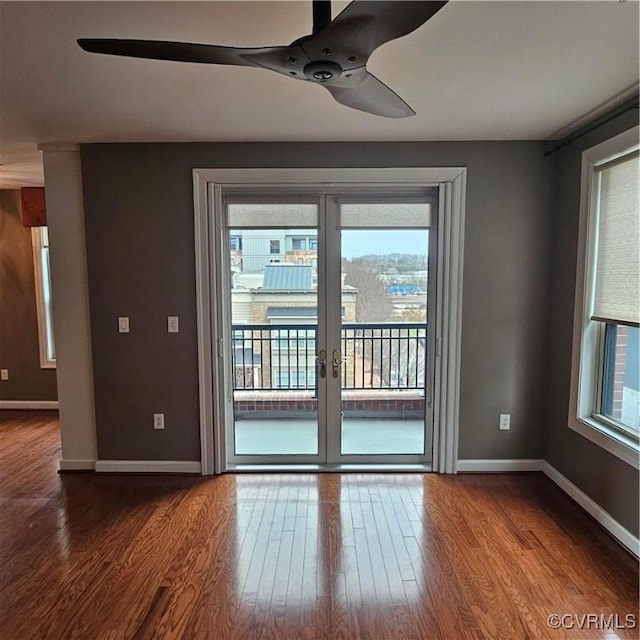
388	215
617	285
272	215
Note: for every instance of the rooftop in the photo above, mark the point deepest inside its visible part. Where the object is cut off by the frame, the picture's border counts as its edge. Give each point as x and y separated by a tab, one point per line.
288	277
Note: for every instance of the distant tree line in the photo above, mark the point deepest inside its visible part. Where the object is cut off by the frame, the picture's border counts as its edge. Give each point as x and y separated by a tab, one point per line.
393	263
374	301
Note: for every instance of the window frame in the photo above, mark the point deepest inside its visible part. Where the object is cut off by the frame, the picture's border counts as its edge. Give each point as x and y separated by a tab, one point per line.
211	186
587	361
44	317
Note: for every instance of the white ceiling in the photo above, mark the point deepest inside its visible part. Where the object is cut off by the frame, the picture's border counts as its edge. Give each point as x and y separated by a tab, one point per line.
476	71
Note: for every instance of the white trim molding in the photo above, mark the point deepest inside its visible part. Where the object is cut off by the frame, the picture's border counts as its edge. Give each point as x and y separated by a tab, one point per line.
67	464
449	322
604	518
600	110
209	182
499	466
148	466
29	405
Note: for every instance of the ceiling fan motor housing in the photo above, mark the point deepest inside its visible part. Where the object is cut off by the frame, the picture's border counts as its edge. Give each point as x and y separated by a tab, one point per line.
322	71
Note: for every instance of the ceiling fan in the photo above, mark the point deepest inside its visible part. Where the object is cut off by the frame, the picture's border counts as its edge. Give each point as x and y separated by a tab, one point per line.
334	56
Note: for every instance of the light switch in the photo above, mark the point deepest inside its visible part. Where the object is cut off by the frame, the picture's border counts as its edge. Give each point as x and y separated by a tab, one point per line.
173	324
505	421
123	324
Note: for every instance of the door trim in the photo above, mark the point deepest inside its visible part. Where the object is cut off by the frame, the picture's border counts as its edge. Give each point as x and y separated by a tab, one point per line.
207	206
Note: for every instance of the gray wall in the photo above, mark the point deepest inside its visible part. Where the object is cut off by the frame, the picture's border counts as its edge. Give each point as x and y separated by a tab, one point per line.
19	351
139	226
612	483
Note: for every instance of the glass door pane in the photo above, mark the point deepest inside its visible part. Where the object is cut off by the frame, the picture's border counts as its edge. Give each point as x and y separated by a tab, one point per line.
274	314
384	329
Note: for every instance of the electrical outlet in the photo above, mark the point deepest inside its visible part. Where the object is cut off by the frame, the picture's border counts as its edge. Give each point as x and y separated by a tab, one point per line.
173	324
123	324
505	421
158	420
4	374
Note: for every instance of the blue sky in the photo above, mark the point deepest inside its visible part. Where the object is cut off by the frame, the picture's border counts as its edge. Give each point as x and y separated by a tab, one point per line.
360	242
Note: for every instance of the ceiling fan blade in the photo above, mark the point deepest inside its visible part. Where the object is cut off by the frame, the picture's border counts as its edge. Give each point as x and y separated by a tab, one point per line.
365	25
363	91
179	51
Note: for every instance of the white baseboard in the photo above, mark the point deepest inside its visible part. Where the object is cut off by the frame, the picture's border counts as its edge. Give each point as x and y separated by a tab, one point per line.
147	466
499	466
604	518
28	405
77	465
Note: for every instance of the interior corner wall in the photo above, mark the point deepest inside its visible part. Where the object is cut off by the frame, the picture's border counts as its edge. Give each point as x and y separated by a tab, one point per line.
138	201
606	479
19	343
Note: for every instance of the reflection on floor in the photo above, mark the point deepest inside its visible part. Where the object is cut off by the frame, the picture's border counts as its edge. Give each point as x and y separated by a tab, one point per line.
307	556
359	436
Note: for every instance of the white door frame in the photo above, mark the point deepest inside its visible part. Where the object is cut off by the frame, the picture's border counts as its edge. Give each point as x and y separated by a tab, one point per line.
208	185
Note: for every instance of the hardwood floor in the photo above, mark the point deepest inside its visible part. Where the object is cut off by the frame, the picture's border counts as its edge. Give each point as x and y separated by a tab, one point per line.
284	556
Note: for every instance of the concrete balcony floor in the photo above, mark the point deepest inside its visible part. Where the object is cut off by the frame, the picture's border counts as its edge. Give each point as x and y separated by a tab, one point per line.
360	436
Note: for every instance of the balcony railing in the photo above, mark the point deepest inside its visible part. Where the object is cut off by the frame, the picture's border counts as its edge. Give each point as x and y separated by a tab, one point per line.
385	356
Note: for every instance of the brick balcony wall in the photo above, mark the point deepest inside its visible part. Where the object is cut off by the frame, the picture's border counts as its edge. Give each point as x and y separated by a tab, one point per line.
619	373
302	404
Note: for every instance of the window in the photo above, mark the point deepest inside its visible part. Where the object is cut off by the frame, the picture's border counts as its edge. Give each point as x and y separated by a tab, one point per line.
235	243
274	246
306	243
294	378
605	400
294	339
40	243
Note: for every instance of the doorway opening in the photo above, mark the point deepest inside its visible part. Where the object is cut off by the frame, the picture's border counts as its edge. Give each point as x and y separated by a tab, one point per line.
330	346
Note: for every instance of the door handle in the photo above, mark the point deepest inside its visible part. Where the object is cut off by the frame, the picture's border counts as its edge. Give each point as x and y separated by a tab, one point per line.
336	363
321	358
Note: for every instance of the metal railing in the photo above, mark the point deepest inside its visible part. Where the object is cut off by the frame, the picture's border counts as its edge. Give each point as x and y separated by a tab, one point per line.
383	355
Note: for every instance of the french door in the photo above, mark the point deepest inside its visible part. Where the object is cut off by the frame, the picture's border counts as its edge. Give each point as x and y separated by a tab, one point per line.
325	333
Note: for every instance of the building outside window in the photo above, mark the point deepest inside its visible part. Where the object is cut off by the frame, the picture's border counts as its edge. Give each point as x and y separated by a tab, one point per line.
294	378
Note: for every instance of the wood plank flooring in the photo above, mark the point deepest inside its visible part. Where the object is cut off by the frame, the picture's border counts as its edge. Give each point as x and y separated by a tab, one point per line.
295	556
